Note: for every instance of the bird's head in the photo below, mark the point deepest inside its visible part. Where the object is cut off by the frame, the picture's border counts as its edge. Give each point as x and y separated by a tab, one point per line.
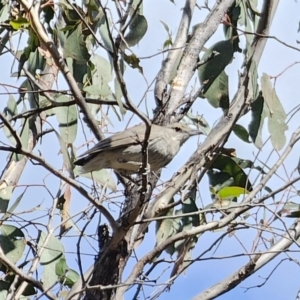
182	131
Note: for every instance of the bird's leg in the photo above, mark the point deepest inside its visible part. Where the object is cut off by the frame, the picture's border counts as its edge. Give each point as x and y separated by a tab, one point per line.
147	169
127	176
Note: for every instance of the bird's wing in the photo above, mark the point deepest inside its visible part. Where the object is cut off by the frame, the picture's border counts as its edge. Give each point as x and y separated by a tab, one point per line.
131	136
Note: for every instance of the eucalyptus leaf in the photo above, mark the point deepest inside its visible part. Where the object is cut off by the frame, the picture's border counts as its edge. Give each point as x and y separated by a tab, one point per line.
166	228
137	29
214	60
65	153
118	96
241	132
218	94
11	109
67	118
13	242
5	196
52	250
259	112
102	72
13	207
232	191
103	177
75	46
104	33
277	116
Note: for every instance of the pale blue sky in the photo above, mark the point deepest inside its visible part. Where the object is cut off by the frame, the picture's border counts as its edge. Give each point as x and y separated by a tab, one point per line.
201	275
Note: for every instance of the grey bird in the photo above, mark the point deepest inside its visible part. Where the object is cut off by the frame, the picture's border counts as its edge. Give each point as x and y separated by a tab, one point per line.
123	150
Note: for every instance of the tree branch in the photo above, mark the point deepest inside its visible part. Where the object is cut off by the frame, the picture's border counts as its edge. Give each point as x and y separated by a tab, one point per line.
32	8
253	266
163	77
25	277
68	180
190	55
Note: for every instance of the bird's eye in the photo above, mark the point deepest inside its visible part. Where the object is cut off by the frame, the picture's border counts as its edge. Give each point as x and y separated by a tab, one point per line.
177	129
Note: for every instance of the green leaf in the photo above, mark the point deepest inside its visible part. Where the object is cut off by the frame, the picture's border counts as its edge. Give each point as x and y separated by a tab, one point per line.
243	15
75	46
104	33
187	222
20	23
189	206
65	153
118	96
290	210
12	242
167	43
99	90
44	102
52	253
244	163
277	116
235	173
5	195
133	62
12	208
52	250
79	71
254	77
165	26
61	267
215	59
67	119
103	177
67	276
32	55
217	94
258	114
134	5
137	29
70	15
166	228
232	191
9	135
294	214
70	278
218	180
4	287
102	72
241	132
230	31
252	5
11	109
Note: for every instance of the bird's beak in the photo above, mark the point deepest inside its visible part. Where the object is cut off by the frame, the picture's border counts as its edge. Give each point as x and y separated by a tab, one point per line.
195	132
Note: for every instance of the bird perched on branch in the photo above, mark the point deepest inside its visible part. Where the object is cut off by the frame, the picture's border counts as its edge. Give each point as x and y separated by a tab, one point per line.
123	151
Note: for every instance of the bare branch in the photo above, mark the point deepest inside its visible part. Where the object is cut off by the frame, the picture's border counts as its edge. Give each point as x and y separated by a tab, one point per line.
254	265
163	77
68	180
